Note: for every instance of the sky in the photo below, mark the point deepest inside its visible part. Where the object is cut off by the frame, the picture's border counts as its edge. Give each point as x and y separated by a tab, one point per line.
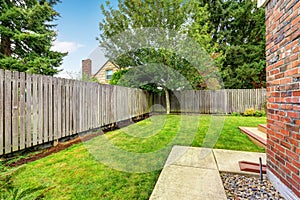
77	29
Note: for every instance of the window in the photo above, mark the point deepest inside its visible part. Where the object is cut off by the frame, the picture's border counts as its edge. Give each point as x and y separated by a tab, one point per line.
109	74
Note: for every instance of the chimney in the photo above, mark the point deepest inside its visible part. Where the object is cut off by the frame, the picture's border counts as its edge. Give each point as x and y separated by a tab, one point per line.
87	68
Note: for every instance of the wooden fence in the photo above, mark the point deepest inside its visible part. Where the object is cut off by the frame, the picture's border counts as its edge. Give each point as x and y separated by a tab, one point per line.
210	101
37	109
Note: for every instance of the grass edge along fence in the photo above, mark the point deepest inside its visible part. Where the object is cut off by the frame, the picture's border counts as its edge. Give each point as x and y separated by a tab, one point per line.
37	109
213	101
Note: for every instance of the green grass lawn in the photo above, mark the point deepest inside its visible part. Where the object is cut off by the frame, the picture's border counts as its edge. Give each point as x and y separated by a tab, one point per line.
101	168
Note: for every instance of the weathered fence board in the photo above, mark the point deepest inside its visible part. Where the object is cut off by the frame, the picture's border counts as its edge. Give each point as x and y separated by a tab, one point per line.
45	106
28	100
37	109
50	105
55	109
59	110
213	101
40	110
22	111
1	112
8	112
63	108
15	114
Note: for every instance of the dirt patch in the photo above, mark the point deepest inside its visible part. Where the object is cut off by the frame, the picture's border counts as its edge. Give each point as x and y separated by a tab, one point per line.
53	149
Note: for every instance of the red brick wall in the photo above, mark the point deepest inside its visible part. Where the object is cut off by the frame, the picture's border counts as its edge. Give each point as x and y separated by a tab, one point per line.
87	67
283	82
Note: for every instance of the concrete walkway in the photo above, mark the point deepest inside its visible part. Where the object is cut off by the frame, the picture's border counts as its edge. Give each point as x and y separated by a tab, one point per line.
193	173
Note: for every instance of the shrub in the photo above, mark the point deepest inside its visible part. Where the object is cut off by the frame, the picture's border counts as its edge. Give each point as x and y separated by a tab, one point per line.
117	76
249	112
235	114
260	113
265	106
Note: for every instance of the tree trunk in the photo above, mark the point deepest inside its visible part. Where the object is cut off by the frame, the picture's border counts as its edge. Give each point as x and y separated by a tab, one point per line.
167	100
5	46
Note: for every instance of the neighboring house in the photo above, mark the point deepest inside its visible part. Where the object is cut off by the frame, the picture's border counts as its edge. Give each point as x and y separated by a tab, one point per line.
104	74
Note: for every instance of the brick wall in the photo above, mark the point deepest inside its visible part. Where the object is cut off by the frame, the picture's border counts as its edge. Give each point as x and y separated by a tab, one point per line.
87	67
283	93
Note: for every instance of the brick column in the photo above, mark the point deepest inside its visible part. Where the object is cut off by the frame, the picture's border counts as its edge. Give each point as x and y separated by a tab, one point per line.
87	68
283	93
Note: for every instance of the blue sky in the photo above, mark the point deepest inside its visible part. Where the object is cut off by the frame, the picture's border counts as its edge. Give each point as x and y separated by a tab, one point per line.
77	29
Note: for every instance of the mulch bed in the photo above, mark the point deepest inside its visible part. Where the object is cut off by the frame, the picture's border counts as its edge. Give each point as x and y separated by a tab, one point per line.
53	149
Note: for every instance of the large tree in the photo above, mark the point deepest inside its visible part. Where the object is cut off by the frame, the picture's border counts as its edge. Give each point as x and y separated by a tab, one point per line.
244	60
238	37
26	36
143	32
231	31
159	71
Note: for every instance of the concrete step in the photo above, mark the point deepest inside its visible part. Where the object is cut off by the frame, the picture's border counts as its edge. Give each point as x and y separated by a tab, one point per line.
257	136
263	128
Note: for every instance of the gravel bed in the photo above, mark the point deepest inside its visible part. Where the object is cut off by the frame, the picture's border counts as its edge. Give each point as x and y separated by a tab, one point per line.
239	187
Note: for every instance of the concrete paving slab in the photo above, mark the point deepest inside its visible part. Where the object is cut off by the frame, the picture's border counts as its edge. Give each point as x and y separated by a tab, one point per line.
182	182
189	173
192	157
227	160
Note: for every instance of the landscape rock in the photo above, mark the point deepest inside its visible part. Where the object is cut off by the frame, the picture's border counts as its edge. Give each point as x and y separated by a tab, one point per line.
242	187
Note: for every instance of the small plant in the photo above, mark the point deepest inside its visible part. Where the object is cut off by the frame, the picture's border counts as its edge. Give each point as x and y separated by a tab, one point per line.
89	79
2	168
265	106
260	113
235	114
249	112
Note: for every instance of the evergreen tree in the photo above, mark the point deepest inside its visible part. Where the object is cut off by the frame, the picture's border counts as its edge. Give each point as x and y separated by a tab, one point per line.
243	64
26	36
238	31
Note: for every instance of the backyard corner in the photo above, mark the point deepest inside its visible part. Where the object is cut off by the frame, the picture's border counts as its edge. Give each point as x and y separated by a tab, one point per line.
228	71
79	174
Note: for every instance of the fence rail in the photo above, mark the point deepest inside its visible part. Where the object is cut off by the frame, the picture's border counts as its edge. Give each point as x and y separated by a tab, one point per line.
213	101
37	109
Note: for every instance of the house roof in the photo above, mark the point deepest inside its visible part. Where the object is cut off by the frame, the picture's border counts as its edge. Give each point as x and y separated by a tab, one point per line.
117	66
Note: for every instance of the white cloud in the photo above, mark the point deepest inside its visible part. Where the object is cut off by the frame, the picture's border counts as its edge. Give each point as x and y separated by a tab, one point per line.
64	46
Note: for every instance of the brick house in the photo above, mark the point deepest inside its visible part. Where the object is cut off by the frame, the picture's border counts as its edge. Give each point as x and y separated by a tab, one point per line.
104	74
283	93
